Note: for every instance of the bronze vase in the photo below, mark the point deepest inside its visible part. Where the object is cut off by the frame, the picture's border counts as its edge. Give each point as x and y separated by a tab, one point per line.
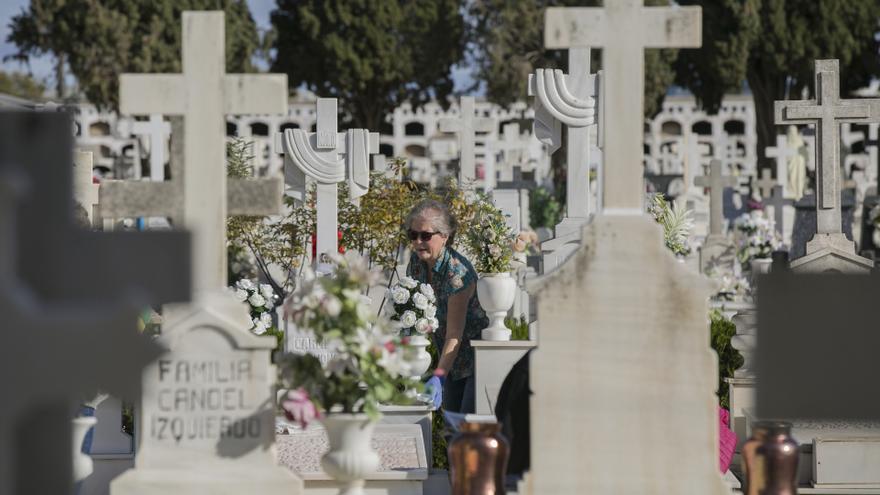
770	459
478	459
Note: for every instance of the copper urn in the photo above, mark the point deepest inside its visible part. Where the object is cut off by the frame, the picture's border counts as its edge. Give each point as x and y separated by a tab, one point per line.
478	459
770	459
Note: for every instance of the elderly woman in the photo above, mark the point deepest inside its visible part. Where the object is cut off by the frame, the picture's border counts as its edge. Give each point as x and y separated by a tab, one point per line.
431	228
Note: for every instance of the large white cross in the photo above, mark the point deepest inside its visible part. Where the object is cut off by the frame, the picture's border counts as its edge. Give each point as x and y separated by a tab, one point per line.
623	28
568	99
318	155
467	125
715	182
204	94
85	191
827	112
158	131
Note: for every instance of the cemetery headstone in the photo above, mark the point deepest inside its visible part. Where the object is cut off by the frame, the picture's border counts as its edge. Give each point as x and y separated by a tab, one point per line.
635	397
329	158
466	126
829	248
85	191
157	130
777	201
207	410
717	252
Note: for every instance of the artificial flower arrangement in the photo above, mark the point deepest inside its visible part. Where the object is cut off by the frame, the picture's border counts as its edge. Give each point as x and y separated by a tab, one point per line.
488	239
677	222
412	307
261	300
757	237
526	242
367	366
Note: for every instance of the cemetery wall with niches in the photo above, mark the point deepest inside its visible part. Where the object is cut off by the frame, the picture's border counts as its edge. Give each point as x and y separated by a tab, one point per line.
680	134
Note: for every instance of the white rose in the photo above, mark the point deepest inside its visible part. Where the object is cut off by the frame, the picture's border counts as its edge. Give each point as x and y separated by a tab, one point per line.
266	318
430	311
435	324
241	295
420	301
399	295
257	300
245	284
409	282
259	327
407	319
428	291
423	326
266	291
331	305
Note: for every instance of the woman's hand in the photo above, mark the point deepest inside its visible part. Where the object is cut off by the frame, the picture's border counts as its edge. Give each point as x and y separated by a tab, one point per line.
456	313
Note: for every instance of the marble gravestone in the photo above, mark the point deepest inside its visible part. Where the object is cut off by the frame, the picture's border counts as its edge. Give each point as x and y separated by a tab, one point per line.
717	252
829	249
804	227
85	191
207	409
466	126
65	338
158	131
637	387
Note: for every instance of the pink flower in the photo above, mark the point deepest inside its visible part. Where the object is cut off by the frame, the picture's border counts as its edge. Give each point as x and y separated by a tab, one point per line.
299	408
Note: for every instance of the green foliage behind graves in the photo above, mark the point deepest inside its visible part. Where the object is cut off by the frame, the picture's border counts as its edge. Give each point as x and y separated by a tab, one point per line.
373	56
544	209
21	85
729	359
519	327
772	44
97	40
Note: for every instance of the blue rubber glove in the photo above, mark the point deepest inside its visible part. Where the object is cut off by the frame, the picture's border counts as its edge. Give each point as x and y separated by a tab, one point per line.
434	387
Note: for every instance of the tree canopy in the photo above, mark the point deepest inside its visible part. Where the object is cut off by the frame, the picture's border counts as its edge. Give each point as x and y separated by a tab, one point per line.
373	55
21	85
507	38
100	39
772	44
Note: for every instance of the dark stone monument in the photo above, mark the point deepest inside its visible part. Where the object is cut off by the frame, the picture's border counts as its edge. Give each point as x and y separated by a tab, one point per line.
805	221
866	243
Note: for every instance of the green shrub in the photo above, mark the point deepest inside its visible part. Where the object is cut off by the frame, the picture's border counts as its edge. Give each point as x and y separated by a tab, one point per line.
519	328
729	358
544	209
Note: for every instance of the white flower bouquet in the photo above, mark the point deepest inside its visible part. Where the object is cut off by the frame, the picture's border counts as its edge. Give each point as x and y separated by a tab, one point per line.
757	237
261	300
368	366
412	307
488	238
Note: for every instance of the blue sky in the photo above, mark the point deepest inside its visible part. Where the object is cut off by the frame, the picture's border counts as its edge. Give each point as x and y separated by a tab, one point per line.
42	67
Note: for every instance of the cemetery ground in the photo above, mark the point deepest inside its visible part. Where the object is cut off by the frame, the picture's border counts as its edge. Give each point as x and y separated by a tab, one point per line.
311	279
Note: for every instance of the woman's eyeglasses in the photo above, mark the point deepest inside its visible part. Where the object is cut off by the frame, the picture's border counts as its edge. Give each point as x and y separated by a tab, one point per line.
423	236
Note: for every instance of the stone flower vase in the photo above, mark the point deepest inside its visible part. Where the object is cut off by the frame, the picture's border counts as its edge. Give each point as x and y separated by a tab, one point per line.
478	459
496	292
770	459
82	463
417	356
351	457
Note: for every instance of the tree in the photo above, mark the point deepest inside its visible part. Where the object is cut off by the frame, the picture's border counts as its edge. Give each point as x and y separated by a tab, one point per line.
21	85
772	44
100	39
373	55
508	41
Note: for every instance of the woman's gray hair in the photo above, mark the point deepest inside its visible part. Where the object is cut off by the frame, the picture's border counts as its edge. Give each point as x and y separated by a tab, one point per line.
437	213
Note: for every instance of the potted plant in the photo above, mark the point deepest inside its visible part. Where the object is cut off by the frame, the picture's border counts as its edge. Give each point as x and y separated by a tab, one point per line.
411	306
490	242
368	367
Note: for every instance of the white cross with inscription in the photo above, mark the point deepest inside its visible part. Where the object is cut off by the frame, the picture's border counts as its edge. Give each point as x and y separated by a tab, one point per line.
328	157
781	153
569	99
85	191
158	131
204	94
623	28
827	112
715	182
467	125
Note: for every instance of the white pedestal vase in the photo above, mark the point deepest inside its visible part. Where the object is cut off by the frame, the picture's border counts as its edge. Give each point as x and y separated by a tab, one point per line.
351	456
82	463
417	356
496	292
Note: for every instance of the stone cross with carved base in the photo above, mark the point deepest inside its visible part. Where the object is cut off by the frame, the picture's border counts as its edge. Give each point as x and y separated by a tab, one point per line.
466	126
778	201
715	182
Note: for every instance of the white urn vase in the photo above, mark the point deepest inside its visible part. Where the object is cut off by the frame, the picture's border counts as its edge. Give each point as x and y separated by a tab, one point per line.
417	356
496	292
82	463
351	456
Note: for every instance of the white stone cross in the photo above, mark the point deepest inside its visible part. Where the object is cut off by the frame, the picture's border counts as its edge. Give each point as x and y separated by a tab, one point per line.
514	150
204	93
466	126
623	28
778	201
765	184
85	191
490	163
158	131
569	99
329	157
715	182
781	153
827	112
